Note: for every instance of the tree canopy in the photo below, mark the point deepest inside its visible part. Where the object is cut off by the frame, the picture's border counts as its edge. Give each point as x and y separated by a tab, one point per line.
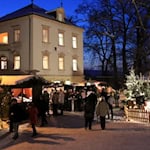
117	34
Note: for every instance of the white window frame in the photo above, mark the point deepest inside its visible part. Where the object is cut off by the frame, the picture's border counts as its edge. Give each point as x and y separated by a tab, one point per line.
45	34
61	39
74	64
17	62
4	62
17	35
61	63
45	62
74	42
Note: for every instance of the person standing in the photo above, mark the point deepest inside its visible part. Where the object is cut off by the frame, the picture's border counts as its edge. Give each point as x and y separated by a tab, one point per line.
55	103
89	112
50	101
33	117
15	114
93	98
61	101
110	101
102	109
11	116
45	97
42	111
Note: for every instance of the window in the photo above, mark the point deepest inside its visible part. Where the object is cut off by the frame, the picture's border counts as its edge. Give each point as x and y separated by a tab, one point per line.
61	39
16	62
74	42
74	65
4	38
45	62
3	63
60	17
61	63
16	35
45	34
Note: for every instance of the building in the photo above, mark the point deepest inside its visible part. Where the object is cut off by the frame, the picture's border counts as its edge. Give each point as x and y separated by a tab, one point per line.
36	41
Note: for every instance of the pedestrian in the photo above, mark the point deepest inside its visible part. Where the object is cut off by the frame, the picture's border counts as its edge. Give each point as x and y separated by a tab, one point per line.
106	96
78	101
42	111
50	101
102	109
33	117
15	114
88	112
46	99
110	101
11	116
61	101
55	103
93	98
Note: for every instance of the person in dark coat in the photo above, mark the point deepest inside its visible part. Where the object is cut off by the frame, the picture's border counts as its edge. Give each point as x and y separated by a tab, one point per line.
11	117
15	114
42	111
93	99
45	97
55	100
89	109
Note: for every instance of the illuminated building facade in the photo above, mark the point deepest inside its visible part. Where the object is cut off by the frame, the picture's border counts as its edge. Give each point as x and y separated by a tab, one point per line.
36	41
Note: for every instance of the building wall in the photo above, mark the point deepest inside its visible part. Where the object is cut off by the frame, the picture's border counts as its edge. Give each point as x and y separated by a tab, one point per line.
21	47
31	47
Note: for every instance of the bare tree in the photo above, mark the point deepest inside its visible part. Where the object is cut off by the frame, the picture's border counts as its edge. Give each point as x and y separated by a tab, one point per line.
142	53
111	33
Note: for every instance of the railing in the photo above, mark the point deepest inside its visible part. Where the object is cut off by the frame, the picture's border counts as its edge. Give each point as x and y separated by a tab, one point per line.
138	115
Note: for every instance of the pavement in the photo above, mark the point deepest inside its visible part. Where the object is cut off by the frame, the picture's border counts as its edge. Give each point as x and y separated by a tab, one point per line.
67	132
4	130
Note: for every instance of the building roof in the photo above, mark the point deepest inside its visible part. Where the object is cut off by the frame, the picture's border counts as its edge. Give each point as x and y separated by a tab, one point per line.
11	80
30	10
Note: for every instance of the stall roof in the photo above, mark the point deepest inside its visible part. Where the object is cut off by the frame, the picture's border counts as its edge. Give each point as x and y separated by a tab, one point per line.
11	80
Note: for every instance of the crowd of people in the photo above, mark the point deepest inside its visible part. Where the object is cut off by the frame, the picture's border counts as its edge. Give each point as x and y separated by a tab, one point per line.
90	101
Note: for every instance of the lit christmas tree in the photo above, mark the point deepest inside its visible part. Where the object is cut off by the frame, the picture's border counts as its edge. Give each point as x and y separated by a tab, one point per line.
134	86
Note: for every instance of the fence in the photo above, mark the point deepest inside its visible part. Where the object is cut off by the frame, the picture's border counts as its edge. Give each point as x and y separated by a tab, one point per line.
138	115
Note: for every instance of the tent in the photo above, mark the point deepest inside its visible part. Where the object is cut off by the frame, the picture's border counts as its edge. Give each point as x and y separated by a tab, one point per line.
24	81
21	80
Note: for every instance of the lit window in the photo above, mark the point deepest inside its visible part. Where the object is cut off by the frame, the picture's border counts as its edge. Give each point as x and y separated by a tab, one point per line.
16	35
61	39
4	38
74	42
45	62
16	62
3	63
74	65
61	63
45	34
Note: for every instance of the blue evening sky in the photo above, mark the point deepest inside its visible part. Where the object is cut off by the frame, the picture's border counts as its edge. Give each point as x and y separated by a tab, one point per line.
9	6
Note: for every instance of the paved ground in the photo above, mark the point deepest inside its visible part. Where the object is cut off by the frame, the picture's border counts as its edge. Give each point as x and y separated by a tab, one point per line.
67	133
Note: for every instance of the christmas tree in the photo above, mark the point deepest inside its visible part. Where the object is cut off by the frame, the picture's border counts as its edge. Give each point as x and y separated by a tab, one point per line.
135	85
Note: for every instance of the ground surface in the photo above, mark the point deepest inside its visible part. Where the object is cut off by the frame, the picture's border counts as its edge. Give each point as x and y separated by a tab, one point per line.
67	133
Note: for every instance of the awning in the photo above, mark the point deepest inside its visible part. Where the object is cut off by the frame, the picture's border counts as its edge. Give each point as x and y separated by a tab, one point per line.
10	80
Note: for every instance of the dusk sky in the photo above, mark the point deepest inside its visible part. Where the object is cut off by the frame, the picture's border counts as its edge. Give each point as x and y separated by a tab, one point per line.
8	6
